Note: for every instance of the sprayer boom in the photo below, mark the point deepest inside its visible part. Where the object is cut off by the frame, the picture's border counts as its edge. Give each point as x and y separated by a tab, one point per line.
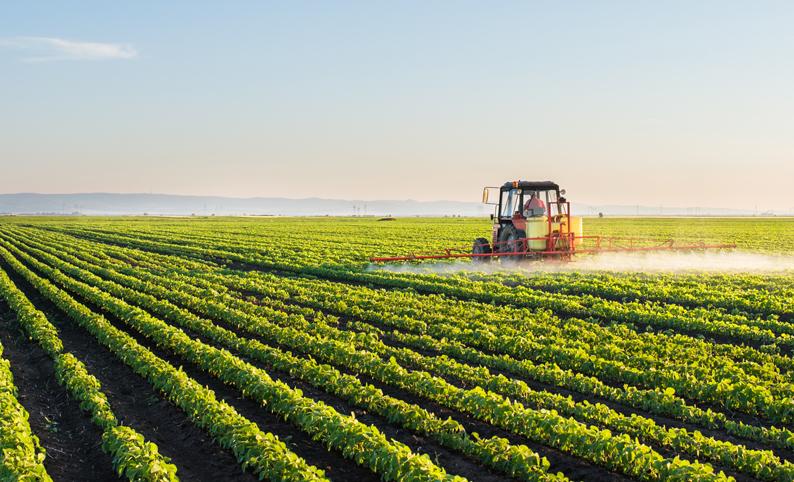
589	245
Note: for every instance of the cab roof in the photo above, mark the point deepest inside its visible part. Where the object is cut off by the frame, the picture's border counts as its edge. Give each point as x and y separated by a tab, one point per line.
532	185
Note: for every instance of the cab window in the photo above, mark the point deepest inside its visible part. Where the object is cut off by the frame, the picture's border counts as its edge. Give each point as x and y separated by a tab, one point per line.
551	203
511	202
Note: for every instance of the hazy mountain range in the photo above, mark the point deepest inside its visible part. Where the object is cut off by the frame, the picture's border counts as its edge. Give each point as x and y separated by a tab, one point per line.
176	205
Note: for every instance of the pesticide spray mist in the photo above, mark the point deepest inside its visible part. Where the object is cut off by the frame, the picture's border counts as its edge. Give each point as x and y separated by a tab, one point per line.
657	262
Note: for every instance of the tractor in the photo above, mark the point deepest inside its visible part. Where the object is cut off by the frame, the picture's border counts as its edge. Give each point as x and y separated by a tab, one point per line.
532	219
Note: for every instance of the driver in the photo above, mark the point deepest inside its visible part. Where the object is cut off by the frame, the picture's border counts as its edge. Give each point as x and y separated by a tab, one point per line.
534	206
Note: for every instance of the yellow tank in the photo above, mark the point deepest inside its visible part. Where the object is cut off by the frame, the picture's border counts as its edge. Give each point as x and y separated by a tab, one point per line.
575	229
536	228
539	227
576	225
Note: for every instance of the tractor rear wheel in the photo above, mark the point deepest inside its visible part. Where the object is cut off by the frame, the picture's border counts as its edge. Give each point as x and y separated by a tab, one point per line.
481	246
511	240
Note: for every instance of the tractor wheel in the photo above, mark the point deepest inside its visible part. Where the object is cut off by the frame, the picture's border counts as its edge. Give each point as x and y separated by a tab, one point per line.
511	242
481	246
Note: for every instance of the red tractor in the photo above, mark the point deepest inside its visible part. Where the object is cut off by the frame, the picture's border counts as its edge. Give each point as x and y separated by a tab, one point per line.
532	219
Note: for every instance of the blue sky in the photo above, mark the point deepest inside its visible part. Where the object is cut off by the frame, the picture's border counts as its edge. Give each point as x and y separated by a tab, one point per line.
673	103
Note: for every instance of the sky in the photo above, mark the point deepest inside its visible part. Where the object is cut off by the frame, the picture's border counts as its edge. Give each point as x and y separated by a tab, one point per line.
673	103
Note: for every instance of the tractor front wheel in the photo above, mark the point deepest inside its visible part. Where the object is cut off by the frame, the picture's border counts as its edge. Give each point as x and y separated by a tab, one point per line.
481	246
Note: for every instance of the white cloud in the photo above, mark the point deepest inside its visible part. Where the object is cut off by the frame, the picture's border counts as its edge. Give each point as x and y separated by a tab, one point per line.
45	49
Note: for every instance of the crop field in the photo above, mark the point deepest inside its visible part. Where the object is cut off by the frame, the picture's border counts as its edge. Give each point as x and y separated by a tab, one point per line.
271	348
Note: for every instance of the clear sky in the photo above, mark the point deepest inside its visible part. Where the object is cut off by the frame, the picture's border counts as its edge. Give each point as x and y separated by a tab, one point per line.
674	103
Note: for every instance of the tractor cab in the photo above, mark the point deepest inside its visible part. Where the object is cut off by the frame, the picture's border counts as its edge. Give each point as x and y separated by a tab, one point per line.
530	218
524	199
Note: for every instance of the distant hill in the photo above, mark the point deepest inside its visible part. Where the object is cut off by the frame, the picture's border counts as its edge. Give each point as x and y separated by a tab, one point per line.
170	204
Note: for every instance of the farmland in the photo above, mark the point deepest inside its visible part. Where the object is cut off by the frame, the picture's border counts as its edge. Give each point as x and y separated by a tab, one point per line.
270	348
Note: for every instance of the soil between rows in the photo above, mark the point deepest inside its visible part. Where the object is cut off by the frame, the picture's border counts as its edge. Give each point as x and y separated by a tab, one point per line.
714	338
71	440
313	452
738	416
572	466
137	404
577	396
453	462
658	418
788	455
620	408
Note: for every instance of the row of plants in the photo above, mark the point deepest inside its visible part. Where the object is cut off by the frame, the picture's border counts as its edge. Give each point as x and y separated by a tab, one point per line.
712	293
664	351
133	457
762	464
364	444
497	452
616	342
726	385
541	303
660	401
349	354
263	453
663	315
21	454
733	390
414	335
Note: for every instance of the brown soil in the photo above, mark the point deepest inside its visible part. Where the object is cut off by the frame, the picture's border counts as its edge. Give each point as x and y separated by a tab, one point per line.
558	464
138	405
71	440
334	464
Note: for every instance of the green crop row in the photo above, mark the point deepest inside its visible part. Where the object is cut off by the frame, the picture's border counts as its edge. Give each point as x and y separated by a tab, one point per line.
679	346
760	364
22	457
610	450
132	455
663	402
746	395
363	444
759	463
495	451
267	456
762	464
732	298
